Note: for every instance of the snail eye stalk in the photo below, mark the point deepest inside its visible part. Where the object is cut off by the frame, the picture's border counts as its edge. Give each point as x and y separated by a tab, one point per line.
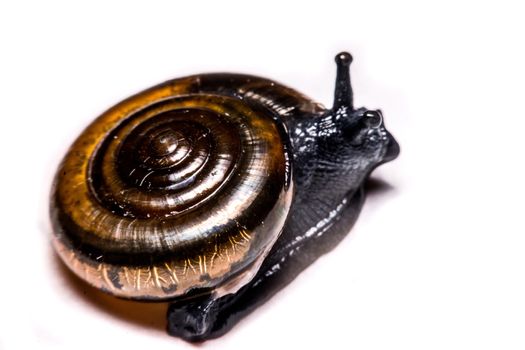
344	95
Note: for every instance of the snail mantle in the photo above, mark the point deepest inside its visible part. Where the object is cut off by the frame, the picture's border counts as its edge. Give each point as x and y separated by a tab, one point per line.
213	192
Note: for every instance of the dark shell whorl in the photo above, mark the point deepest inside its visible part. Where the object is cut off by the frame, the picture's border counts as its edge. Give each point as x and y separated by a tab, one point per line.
183	191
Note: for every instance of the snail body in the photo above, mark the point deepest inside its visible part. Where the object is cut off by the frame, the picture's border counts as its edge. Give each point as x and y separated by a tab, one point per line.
213	191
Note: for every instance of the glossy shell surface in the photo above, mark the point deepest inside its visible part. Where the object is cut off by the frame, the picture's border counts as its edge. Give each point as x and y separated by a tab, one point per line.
170	192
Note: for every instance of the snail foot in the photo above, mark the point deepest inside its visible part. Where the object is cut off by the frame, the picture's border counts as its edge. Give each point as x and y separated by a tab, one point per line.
192	321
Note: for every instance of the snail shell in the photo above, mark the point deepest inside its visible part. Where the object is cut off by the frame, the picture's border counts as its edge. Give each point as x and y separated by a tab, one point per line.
173	190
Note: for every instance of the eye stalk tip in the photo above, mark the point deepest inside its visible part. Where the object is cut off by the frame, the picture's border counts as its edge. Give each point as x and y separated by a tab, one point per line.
374	118
343	59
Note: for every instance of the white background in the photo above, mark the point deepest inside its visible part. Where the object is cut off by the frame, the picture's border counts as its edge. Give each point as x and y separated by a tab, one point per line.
436	259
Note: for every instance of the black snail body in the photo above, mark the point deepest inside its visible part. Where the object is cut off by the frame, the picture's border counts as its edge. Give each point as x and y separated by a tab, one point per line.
213	192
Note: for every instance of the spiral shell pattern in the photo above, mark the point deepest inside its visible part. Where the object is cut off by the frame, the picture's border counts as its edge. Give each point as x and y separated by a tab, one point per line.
172	191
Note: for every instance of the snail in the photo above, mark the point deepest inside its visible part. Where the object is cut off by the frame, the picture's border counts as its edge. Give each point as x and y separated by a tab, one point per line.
213	192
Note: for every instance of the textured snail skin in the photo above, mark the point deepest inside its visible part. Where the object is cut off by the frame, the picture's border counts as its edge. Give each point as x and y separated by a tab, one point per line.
308	165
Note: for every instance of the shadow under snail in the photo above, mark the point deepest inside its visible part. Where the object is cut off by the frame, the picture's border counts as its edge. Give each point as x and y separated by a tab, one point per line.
213	192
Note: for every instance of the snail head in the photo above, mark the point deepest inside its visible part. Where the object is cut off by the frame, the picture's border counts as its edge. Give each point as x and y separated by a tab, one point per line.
359	135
